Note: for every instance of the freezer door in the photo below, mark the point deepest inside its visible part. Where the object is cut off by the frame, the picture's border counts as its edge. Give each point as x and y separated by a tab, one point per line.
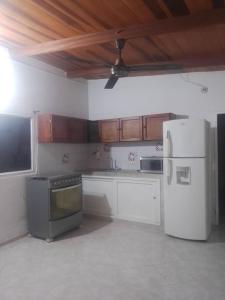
186	198
185	138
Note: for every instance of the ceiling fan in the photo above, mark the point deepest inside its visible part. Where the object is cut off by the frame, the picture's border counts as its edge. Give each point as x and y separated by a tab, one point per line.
120	69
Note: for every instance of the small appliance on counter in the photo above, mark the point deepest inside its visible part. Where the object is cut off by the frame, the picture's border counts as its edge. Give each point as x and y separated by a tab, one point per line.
54	204
151	164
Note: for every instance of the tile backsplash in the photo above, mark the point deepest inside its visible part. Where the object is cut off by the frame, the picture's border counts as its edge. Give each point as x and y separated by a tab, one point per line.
126	155
71	157
62	157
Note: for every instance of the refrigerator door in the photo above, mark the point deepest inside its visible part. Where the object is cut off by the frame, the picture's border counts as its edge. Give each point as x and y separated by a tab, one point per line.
186	198
185	138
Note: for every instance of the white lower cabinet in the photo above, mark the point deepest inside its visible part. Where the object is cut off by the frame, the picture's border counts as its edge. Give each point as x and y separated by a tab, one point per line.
129	199
138	201
98	196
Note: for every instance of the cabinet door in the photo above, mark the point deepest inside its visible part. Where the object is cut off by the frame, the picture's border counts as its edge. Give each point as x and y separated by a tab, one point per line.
98	196
139	201
153	126
44	128
77	130
60	129
131	129
109	130
93	132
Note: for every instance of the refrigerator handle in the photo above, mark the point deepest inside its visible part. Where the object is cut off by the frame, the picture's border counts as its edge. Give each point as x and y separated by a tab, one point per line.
169	171
169	144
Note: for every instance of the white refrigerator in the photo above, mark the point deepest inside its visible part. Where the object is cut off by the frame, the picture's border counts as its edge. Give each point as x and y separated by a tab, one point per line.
186	178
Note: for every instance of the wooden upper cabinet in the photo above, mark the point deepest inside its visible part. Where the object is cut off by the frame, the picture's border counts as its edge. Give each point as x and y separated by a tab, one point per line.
93	132
77	130
131	129
45	128
153	126
109	130
61	129
60	132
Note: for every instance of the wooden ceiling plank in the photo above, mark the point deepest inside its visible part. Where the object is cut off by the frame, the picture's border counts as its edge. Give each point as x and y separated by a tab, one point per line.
218	3
62	13
30	9
96	14
12	35
116	10
193	43
55	61
177	7
165	8
88	72
178	24
16	26
144	15
155	8
26	20
72	9
196	62
90	57
165	45
219	32
72	61
89	20
161	50
196	6
138	45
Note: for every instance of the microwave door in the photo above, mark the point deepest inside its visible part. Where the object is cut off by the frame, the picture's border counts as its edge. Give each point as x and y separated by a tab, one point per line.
151	165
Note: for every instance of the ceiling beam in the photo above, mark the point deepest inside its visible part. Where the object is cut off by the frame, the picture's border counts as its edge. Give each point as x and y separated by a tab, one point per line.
194	63
190	22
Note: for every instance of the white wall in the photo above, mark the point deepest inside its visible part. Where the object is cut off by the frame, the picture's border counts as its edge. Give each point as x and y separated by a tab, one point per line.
159	94
37	89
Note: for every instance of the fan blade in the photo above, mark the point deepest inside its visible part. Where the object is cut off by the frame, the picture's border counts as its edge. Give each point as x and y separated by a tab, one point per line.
111	82
155	67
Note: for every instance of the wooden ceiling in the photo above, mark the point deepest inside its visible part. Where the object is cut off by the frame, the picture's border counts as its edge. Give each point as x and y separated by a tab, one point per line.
78	36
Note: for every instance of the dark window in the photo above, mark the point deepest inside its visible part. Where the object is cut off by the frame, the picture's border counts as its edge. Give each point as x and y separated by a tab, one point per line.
15	144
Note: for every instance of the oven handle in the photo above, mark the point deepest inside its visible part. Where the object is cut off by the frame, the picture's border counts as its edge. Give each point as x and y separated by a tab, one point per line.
66	188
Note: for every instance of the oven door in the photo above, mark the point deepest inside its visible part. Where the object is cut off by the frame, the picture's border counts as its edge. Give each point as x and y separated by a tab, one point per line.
65	202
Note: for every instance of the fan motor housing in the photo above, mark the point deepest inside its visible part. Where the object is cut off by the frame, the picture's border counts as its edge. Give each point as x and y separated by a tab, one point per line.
119	71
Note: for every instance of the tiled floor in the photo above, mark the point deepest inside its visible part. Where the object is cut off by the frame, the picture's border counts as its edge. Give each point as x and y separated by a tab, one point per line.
113	260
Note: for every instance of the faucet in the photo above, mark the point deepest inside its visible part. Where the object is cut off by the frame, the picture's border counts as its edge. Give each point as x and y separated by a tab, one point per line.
115	165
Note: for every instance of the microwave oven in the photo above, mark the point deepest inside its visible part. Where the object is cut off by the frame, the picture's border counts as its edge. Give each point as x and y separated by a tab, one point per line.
151	164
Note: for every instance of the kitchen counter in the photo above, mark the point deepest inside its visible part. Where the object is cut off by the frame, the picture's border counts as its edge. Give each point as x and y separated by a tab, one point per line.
121	173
